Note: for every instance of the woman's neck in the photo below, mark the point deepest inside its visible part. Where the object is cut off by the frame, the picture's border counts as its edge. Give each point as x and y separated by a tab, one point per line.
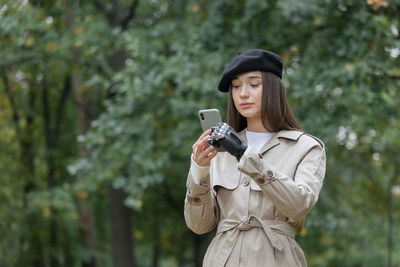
255	125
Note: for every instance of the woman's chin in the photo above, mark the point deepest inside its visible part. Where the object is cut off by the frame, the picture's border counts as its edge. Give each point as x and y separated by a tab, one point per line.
247	114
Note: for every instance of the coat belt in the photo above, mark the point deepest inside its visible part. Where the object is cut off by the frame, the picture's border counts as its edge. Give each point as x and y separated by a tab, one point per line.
271	228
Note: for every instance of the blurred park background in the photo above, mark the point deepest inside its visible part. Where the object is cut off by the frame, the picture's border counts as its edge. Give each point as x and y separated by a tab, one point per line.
98	113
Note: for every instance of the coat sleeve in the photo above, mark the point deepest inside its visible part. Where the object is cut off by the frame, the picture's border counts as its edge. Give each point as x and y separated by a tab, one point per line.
293	196
201	209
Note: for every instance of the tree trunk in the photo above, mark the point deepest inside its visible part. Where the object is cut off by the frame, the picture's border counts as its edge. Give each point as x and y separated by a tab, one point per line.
156	255
156	245
87	230
121	228
85	103
51	182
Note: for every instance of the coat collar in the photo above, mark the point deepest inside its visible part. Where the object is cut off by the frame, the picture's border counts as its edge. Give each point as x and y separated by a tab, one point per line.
289	134
274	141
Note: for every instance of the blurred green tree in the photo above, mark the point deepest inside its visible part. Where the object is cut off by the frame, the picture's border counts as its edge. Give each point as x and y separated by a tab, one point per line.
147	76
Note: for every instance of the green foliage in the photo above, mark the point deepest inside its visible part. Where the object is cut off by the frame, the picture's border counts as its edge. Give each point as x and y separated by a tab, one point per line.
342	78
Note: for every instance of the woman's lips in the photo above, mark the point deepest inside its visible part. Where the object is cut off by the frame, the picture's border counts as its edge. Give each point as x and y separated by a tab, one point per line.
246	105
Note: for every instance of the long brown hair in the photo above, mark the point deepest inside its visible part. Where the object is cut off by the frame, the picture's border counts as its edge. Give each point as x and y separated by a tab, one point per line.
275	111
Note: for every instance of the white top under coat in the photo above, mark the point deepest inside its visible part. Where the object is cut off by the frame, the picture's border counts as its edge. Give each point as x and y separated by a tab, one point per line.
258	139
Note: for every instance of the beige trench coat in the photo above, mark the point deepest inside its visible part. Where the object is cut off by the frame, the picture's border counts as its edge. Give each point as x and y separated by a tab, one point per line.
258	204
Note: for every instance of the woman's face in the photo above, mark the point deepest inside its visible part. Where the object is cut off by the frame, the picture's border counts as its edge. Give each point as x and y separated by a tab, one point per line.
247	94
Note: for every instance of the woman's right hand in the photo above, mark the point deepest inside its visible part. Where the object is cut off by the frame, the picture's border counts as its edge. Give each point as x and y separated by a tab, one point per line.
202	153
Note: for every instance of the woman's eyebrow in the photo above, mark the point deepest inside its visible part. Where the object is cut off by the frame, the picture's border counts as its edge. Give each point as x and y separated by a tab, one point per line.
248	78
254	77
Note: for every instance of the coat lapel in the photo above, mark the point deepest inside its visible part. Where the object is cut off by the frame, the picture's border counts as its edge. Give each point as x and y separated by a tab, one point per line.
274	141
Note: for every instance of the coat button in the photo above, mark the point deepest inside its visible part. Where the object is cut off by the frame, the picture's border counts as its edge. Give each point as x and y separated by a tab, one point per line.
196	199
260	180
270	174
245	182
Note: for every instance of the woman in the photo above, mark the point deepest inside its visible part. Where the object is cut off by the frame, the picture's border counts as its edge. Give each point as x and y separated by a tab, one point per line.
258	191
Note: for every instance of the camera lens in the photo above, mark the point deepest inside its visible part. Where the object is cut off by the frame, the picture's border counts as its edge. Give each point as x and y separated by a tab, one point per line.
202	116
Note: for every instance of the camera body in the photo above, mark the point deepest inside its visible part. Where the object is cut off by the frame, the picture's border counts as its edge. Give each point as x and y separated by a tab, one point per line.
223	135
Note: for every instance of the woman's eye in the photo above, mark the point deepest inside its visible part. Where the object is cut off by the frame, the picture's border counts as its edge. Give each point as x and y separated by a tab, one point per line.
235	86
255	85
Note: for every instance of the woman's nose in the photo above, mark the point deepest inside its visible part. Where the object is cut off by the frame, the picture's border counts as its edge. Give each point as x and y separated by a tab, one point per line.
244	91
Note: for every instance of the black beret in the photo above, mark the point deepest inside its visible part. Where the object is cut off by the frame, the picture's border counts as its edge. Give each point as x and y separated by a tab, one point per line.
251	60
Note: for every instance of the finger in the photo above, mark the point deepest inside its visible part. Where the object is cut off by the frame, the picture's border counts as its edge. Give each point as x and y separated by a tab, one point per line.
195	149
212	154
206	133
210	149
197	144
206	153
203	142
201	138
199	149
206	156
200	144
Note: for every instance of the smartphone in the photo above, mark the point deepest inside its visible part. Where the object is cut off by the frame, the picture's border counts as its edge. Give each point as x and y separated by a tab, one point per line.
209	118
